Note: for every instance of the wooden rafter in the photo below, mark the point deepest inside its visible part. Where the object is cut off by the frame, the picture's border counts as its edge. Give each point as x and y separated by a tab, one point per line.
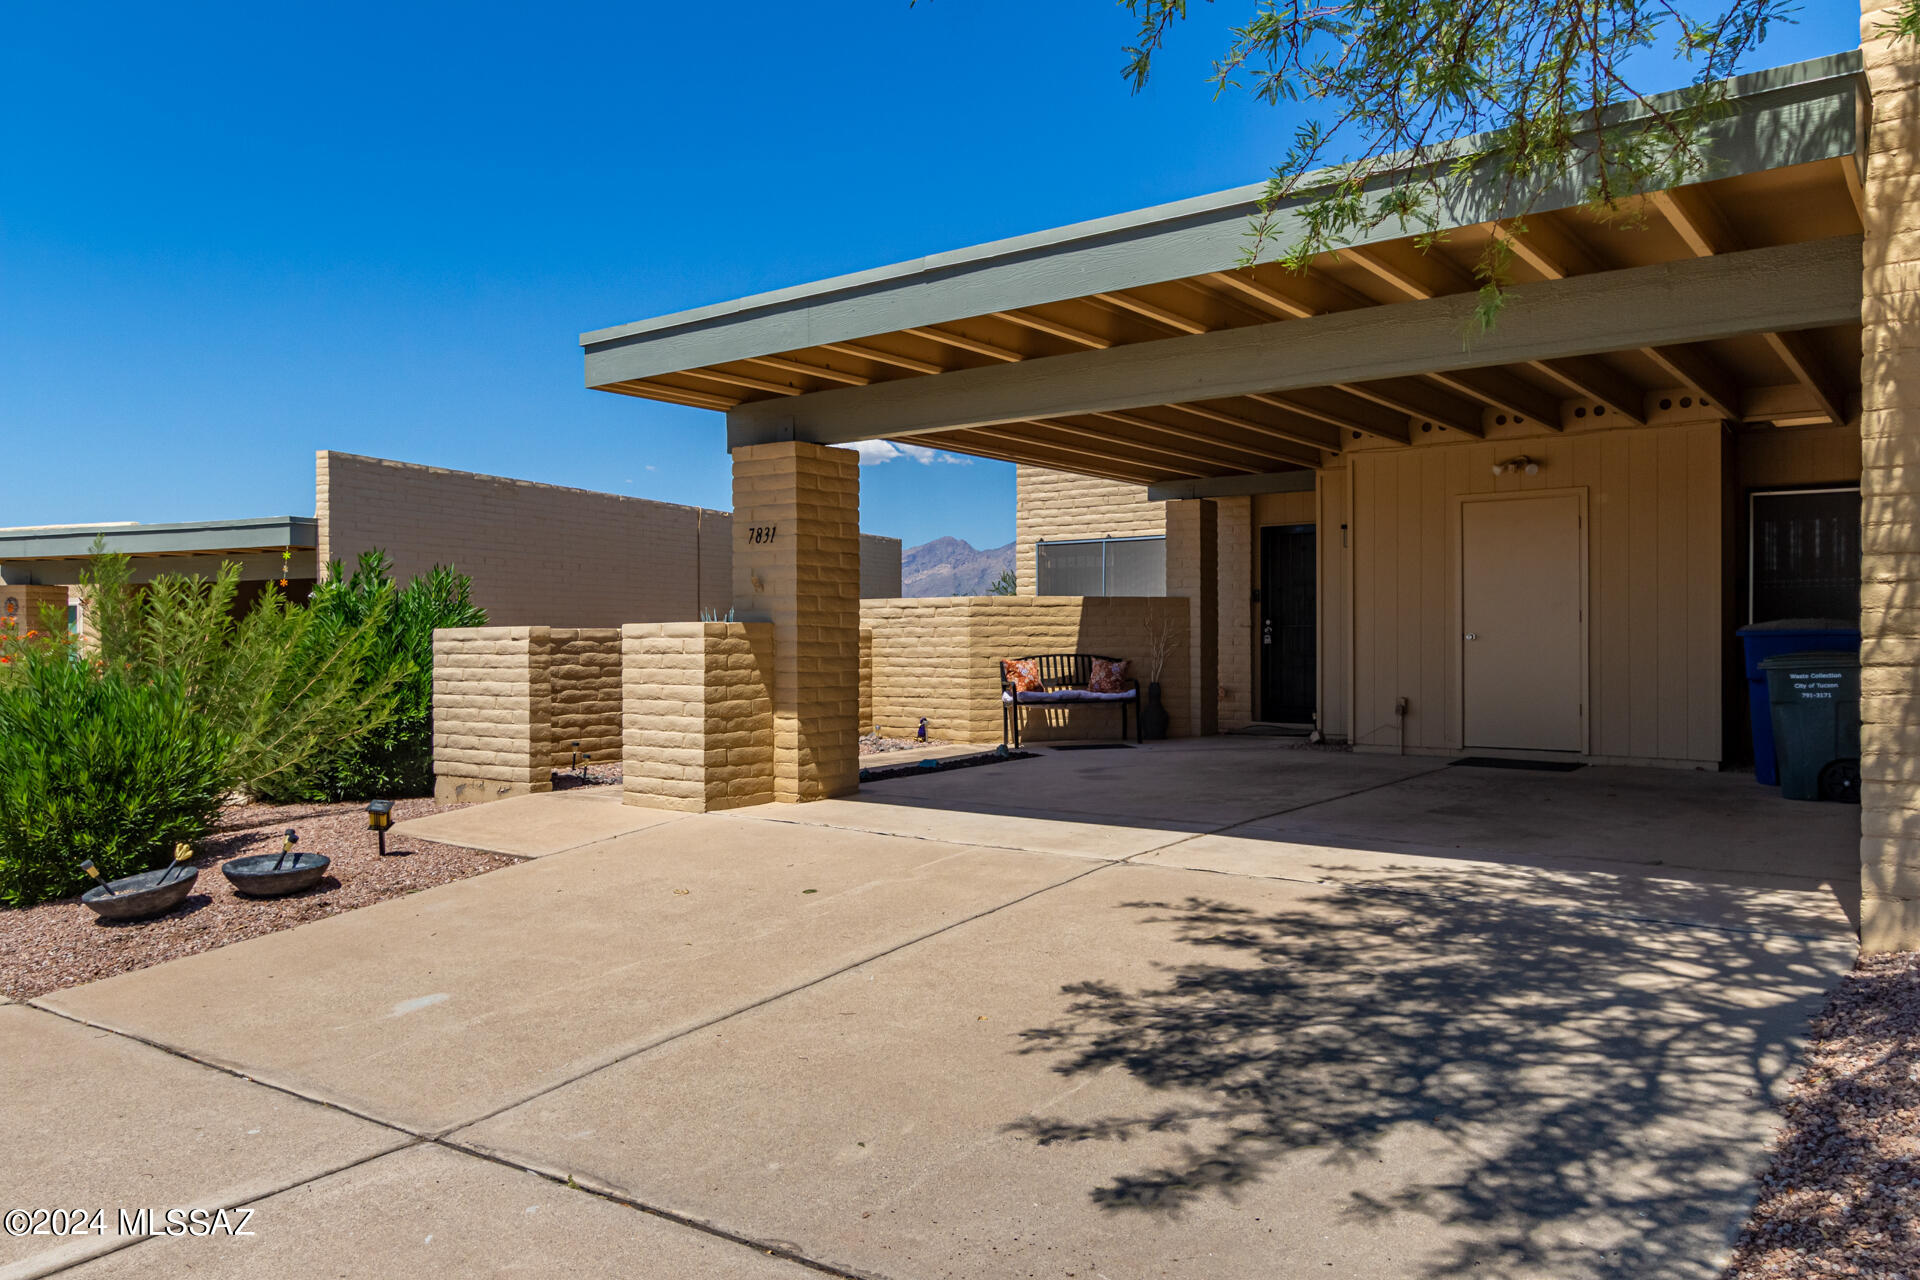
1188	457
964	343
1272	299
1160	315
1503	393
672	395
1025	439
809	370
743	380
1698	222
1588	376
884	357
1418	400
971	440
1700	373
1291	435
1360	418
1264	457
1040	324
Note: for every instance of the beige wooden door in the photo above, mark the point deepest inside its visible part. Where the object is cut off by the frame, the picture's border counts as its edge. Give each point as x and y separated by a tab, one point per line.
1522	609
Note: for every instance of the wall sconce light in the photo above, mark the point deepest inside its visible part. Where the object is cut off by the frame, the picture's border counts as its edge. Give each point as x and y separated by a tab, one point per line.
1522	463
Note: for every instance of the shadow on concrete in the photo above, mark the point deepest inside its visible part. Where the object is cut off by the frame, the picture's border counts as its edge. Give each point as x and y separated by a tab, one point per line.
1590	1098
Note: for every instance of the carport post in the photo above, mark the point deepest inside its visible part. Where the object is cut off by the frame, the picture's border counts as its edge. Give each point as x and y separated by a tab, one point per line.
1889	495
796	564
1193	540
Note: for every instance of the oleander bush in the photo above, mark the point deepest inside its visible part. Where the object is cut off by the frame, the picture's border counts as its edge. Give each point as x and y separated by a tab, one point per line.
394	758
97	764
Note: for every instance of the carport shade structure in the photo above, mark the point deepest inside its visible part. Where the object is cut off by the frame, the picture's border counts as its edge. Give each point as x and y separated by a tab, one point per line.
1141	347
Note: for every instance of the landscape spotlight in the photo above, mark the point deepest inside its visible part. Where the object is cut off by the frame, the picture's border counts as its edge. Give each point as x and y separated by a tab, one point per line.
379	818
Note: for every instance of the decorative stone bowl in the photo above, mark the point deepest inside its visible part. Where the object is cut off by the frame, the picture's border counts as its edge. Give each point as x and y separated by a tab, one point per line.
255	876
137	897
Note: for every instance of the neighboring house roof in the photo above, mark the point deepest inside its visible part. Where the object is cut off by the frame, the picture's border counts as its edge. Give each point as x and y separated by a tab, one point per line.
195	537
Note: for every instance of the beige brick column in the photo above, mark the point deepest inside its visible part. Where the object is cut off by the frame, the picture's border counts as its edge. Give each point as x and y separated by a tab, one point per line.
1193	572
1890	497
492	703
796	565
1236	640
697	714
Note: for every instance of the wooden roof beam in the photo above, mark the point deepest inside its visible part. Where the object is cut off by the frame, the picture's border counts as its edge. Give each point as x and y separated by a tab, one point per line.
1272	299
1040	324
1008	448
1264	457
1363	417
1700	373
1805	285
1160	315
883	357
1419	400
743	380
964	343
1291	435
1189	456
1503	393
806	370
673	395
1588	376
1798	355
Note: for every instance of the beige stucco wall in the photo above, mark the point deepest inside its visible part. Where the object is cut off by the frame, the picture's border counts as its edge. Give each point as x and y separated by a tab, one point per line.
1657	621
939	657
1054	505
541	554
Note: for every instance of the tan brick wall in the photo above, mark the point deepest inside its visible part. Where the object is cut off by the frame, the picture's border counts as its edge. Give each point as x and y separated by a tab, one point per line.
542	554
1890	494
492	697
698	714
938	657
796	564
583	675
1054	505
866	679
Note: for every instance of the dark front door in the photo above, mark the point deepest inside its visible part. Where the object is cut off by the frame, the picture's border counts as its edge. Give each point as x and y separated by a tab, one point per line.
1287	623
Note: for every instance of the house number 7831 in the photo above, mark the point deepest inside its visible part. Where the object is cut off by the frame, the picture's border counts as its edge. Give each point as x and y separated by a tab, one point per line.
758	533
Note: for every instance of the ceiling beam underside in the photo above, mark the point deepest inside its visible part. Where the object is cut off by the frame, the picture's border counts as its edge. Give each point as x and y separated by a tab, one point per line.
1735	294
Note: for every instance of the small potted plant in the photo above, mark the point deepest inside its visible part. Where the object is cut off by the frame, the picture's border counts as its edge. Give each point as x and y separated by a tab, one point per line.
1164	633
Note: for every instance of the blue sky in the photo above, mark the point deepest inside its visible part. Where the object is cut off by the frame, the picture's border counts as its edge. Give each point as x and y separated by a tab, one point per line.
233	235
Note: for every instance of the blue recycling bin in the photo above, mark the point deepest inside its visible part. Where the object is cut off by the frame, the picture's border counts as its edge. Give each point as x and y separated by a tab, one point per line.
1765	640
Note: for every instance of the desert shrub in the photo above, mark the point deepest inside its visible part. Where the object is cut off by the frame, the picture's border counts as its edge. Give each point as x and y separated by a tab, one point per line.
282	685
97	764
396	757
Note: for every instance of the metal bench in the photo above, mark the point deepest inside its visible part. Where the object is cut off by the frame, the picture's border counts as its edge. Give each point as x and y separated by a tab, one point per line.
1064	677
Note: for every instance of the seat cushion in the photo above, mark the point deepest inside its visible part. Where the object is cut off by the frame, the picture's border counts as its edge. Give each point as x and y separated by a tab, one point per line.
1055	697
1023	674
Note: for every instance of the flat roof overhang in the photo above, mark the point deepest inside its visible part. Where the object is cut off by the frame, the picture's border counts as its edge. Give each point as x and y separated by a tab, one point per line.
199	537
1140	348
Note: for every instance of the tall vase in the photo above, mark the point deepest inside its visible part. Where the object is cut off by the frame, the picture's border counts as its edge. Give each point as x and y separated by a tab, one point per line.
1153	715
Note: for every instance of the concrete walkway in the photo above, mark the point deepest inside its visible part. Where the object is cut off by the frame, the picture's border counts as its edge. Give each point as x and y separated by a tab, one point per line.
1230	1008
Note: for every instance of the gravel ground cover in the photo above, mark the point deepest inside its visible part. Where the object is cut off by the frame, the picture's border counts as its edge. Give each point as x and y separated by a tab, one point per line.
1841	1196
62	944
872	744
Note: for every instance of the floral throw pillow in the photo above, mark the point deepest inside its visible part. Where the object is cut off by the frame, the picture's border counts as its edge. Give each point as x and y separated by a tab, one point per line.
1108	677
1023	674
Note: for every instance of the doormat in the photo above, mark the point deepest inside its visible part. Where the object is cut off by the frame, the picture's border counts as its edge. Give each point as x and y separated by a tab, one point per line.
1270	731
1094	746
1534	766
921	768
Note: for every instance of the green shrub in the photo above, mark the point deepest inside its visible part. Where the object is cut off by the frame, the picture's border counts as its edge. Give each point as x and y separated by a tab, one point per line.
284	686
95	764
394	758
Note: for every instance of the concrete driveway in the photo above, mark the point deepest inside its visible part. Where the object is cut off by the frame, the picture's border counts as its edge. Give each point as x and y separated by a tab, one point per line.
1214	1009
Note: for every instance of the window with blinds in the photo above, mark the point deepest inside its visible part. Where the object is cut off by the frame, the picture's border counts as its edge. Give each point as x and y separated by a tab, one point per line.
1102	567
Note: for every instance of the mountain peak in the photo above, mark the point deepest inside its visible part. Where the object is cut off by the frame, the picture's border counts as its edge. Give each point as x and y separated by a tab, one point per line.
952	567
